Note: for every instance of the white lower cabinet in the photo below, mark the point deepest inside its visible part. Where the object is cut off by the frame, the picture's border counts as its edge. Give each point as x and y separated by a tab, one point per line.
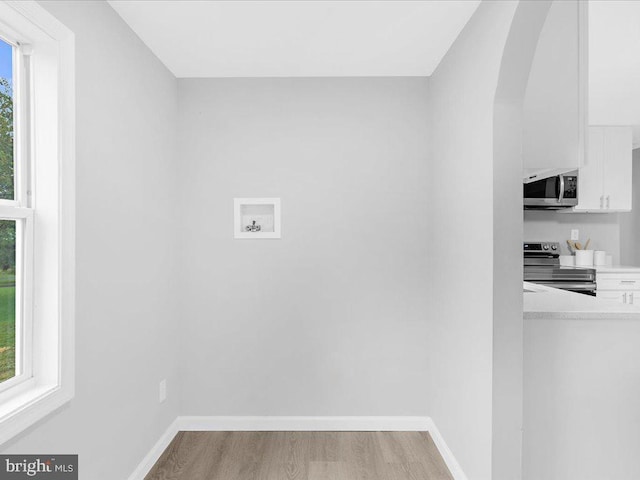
621	287
622	297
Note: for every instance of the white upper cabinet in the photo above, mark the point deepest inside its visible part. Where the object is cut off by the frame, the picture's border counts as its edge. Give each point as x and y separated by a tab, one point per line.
604	182
617	165
590	187
554	108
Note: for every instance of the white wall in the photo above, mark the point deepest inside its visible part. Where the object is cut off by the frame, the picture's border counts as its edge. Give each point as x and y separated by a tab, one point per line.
602	228
630	222
554	114
374	302
335	317
509	117
614	64
461	199
126	316
582	420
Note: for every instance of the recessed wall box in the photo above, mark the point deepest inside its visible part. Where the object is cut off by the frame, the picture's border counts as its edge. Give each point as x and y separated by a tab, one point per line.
256	218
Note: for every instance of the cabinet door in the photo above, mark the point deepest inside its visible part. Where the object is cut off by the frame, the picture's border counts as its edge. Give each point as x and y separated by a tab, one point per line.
619	297
617	168
590	194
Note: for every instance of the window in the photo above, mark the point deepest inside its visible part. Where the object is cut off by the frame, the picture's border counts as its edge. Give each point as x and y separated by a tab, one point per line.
16	224
7	227
36	215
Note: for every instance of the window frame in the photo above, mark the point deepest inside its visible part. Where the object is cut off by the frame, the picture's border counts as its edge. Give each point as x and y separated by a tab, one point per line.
23	297
44	156
19	210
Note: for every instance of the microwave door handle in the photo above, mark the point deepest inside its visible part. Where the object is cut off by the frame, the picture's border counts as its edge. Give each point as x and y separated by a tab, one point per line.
561	194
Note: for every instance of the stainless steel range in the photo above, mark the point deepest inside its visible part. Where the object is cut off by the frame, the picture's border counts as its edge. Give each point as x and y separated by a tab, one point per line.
542	266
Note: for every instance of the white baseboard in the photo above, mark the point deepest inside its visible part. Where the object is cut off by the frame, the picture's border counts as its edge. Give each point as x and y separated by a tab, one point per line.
344	424
154	454
302	424
445	451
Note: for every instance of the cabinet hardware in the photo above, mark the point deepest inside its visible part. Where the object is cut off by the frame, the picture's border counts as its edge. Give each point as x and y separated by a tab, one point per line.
631	296
624	298
608	202
627	281
601	201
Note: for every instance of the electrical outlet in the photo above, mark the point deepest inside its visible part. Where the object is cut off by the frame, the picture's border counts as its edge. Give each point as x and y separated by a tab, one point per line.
163	391
575	234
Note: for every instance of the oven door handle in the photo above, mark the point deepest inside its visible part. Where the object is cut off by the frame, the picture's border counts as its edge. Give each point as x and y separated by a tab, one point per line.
586	287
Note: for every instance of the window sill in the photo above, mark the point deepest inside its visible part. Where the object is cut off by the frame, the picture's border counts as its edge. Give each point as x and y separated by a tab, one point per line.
35	402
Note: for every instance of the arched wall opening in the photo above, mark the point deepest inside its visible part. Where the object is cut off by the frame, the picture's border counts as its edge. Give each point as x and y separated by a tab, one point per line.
507	388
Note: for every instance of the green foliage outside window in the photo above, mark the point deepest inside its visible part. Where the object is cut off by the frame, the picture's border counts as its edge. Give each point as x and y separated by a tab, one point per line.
6	140
7	229
7	237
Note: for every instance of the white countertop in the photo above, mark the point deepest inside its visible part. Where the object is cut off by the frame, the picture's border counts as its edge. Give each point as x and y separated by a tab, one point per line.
607	269
617	269
546	302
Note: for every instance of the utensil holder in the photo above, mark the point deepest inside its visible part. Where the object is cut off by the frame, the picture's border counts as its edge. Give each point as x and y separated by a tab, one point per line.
584	258
599	258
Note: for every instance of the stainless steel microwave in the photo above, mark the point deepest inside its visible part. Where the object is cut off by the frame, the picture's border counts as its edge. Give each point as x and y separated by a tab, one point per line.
551	193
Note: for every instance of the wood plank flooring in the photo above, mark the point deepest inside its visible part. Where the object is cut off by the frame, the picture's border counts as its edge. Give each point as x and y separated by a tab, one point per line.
300	456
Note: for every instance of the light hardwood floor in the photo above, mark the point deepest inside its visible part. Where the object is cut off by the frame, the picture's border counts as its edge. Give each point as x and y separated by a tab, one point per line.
300	456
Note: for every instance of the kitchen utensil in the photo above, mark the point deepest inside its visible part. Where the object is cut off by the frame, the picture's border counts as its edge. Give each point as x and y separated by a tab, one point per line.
578	246
586	245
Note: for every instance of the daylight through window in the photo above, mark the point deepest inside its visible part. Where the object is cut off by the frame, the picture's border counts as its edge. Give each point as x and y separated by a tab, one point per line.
8	352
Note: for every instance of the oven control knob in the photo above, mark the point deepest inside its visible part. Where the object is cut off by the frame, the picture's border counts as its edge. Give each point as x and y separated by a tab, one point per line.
545	247
554	247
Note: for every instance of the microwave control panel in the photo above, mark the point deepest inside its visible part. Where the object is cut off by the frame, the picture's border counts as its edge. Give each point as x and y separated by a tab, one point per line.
570	186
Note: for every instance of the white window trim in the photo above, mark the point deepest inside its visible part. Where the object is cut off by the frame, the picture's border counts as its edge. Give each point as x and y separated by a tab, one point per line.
53	158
